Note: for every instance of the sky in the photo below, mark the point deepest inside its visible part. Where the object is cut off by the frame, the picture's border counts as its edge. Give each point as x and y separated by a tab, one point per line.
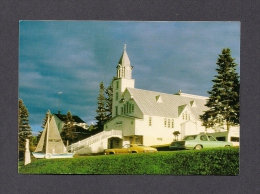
61	63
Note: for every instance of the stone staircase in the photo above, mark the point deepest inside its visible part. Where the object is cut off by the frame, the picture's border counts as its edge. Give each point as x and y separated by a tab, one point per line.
94	144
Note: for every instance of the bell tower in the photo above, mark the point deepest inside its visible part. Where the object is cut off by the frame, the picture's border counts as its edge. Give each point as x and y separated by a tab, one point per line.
122	80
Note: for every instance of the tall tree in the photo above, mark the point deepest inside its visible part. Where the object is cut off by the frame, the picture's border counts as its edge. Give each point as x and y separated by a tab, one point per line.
101	110
24	131
44	121
68	131
108	101
223	102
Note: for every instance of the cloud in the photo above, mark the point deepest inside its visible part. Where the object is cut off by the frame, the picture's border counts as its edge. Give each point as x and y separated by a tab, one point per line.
75	56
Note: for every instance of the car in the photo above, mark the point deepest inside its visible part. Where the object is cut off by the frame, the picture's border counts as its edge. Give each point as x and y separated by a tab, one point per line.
198	142
130	148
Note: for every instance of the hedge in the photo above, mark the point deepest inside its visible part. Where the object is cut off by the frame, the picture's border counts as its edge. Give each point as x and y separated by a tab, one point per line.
220	161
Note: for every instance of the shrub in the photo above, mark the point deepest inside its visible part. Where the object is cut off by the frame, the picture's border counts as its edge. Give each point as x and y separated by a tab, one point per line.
221	161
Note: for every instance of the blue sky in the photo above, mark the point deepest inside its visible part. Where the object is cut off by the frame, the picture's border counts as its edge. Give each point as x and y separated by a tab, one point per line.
73	57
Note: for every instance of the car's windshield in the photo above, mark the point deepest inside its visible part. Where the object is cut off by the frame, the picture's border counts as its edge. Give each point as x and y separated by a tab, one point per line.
126	146
190	137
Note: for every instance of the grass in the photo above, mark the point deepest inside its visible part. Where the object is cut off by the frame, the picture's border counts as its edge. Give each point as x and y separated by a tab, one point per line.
224	161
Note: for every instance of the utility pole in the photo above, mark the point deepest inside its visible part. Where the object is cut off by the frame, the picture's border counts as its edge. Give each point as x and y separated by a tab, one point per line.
59	101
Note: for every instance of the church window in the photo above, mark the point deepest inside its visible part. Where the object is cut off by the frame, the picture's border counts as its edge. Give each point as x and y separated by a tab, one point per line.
122	110
116	110
172	123
123	72
150	121
169	123
127	109
133	108
117	96
165	122
117	85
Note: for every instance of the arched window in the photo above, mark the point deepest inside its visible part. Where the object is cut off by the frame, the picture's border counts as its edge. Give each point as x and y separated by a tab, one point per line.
172	123
127	109
169	123
117	96
116	110
117	85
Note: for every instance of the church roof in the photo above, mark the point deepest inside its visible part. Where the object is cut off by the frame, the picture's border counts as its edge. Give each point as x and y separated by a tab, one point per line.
171	105
75	118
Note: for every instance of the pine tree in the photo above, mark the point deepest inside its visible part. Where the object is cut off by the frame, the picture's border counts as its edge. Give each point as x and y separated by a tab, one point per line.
108	103
68	131
223	101
25	131
101	110
45	120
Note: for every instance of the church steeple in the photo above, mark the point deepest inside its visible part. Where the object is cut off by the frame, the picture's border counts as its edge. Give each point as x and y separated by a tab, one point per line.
123	80
124	68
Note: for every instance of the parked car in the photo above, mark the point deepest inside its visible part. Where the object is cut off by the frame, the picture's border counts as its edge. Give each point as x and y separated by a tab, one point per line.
130	148
198	142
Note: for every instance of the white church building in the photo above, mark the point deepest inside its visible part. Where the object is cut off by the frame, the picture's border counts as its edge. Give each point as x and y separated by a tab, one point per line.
150	117
145	117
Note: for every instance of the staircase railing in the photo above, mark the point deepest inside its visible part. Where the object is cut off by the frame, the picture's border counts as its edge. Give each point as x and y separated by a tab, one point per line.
93	139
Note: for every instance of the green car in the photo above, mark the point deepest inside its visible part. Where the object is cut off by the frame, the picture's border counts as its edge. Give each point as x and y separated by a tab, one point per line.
198	142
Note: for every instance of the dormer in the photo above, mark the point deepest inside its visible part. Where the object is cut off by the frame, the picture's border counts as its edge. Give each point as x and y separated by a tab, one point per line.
193	103
159	99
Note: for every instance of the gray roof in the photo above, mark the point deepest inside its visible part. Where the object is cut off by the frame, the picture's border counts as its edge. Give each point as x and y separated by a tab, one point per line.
170	105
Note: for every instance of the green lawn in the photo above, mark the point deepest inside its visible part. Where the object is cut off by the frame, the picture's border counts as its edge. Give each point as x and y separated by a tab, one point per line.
221	161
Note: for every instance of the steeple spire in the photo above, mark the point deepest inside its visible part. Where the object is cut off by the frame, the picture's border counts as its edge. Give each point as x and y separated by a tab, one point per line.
124	69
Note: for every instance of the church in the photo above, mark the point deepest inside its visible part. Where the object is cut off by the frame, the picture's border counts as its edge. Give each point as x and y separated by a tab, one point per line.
145	117
149	117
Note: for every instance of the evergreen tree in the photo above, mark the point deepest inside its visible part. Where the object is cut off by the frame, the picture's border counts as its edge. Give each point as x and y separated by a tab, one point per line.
45	120
109	100
223	101
24	131
39	136
101	110
68	131
43	125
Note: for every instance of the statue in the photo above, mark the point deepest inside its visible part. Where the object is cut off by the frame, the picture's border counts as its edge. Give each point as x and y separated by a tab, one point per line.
27	155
